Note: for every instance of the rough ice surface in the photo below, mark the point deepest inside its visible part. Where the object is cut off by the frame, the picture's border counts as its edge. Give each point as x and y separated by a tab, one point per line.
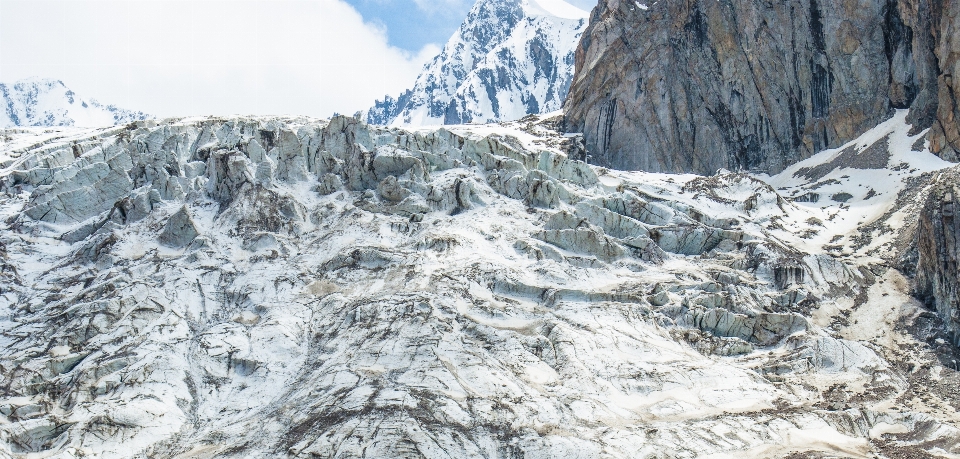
288	287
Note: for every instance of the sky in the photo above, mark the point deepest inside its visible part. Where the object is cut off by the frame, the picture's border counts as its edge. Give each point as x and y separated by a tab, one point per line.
226	57
412	24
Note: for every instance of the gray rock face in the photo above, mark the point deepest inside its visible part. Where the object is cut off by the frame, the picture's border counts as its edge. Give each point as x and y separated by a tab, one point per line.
697	85
180	229
764	329
82	192
938	275
944	39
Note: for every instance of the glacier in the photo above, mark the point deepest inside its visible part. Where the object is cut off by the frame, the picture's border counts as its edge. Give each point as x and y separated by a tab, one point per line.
509	58
293	287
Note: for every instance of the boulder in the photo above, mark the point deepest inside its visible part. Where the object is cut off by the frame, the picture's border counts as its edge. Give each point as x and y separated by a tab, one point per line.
180	229
329	184
391	190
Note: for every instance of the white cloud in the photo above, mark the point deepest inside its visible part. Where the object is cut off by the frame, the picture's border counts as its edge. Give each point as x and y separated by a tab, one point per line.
586	5
178	57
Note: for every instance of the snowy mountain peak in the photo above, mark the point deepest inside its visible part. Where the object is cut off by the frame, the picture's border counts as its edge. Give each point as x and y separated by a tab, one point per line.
508	59
47	102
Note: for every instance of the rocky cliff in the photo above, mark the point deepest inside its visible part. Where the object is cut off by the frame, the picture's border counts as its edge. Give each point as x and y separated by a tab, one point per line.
938	276
944	38
508	59
697	85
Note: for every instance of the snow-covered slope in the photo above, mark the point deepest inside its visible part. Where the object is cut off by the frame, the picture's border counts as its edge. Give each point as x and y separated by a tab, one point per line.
508	59
45	102
260	288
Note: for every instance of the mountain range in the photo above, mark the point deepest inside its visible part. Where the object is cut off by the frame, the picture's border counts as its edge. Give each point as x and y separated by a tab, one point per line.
508	59
46	102
737	239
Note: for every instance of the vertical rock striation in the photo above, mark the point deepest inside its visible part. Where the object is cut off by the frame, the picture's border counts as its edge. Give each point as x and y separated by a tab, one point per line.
938	279
945	133
695	86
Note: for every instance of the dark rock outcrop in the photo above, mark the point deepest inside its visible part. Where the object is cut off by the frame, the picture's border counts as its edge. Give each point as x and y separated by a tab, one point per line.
938	279
695	85
180	229
945	133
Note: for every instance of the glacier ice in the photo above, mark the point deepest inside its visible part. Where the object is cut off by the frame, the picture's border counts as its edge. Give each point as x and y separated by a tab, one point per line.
266	287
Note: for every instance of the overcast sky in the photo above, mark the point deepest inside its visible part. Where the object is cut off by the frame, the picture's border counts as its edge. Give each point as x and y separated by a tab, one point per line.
188	57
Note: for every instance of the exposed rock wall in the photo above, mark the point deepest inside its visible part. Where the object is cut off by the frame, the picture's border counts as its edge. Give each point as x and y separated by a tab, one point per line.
945	134
695	86
938	279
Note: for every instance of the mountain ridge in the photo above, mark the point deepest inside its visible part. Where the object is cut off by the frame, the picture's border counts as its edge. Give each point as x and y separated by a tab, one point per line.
44	102
508	59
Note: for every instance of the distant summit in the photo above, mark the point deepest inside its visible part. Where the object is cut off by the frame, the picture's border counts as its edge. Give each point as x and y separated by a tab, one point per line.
47	102
509	58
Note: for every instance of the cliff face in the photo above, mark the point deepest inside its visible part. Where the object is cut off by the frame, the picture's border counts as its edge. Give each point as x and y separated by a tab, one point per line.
938	279
945	133
695	86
